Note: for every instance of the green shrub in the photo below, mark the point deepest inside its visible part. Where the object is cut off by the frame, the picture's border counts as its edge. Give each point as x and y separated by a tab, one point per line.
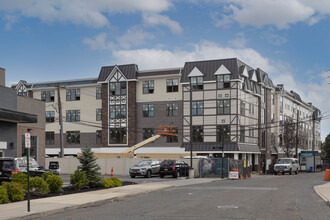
109	183
21	178
117	181
39	186
15	191
3	195
47	174
54	182
78	180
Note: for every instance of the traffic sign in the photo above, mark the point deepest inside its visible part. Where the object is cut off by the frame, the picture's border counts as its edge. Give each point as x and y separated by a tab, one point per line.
27	140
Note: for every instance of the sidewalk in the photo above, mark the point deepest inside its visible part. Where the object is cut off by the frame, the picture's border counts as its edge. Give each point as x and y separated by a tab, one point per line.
324	192
57	204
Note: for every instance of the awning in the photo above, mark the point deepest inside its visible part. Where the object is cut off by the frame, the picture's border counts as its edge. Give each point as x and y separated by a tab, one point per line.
17	117
228	147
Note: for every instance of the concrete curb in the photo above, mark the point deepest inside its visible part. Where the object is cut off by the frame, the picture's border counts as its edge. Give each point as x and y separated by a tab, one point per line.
319	190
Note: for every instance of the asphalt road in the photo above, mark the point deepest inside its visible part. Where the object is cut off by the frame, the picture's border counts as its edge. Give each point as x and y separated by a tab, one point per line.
263	197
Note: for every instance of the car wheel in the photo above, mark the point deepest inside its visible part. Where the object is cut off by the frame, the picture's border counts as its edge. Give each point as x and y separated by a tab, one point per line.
290	172
275	173
161	175
296	172
177	174
132	176
148	175
283	173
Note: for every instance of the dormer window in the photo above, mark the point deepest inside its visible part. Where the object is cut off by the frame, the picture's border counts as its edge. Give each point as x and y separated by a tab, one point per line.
197	83
223	81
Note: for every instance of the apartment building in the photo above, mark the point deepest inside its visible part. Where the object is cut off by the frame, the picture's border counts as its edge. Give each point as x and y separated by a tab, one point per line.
228	108
289	105
135	102
81	112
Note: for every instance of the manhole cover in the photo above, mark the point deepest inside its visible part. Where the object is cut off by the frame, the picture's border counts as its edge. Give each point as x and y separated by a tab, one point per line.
227	207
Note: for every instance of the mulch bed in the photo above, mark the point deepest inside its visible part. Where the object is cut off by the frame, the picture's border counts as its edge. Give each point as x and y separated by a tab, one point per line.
69	190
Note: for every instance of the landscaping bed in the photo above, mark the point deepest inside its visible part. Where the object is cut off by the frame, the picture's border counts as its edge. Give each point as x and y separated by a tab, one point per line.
70	190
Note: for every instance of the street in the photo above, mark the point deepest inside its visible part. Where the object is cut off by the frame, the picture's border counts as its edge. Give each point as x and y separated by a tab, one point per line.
262	197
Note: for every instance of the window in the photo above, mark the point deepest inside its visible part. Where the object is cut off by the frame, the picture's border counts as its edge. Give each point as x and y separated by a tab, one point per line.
197	134
148	110
98	93
172	85
273	101
251	132
223	133
117	88
197	108
263	139
171	139
147	133
272	140
197	83
72	115
148	87
22	94
50	136
252	106
48	96
50	116
73	137
72	94
273	116
99	137
98	114
223	81
242	134
118	111
118	136
223	107
172	109
242	108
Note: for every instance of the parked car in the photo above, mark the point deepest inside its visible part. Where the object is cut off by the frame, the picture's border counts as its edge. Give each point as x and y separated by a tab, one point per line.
176	168
145	168
11	165
286	165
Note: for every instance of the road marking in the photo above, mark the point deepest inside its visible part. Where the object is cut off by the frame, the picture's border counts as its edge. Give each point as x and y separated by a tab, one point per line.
227	207
234	188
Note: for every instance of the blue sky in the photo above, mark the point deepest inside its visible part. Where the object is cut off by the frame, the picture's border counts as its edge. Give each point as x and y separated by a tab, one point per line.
43	40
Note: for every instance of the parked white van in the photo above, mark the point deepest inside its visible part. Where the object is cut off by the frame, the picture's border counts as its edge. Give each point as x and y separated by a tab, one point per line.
286	165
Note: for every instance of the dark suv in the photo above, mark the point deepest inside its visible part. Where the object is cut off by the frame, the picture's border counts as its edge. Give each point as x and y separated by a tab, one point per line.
176	168
11	165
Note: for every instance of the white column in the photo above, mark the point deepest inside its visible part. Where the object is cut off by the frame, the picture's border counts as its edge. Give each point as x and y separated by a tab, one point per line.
235	156
256	159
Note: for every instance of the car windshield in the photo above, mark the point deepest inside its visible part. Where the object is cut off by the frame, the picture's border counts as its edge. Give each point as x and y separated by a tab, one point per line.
22	162
168	162
283	161
143	163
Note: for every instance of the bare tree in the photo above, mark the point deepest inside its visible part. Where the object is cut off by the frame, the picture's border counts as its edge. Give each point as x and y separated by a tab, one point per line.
289	137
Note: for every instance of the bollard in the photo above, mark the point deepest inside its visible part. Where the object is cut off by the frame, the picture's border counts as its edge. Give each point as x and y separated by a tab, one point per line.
327	174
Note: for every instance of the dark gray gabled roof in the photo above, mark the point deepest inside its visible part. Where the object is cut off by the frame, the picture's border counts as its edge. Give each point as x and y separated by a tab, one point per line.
129	71
296	96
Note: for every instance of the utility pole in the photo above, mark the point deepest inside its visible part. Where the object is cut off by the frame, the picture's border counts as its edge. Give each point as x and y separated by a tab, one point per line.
313	143
297	130
191	133
60	121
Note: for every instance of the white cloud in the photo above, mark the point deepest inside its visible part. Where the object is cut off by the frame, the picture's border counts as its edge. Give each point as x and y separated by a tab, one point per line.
280	13
162	58
156	19
273	38
82	12
240	41
10	20
134	36
99	42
